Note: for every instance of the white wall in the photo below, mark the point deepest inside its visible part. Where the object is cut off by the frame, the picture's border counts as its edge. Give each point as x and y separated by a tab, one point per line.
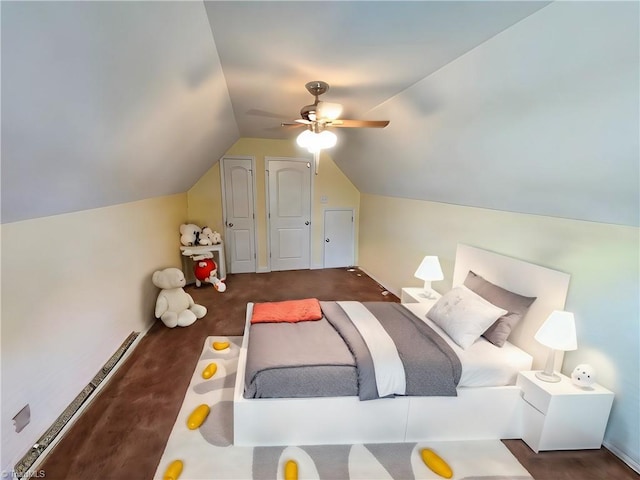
205	197
603	260
74	287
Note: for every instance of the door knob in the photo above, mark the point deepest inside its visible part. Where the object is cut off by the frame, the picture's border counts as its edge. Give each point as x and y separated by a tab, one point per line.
307	222
327	240
231	224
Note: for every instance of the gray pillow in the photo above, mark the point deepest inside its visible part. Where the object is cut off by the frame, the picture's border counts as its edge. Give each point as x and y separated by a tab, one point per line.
515	304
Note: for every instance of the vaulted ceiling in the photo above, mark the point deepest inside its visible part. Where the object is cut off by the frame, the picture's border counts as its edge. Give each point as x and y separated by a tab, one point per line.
528	107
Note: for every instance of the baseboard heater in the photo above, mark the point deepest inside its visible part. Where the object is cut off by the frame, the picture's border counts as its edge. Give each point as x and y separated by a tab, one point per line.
26	462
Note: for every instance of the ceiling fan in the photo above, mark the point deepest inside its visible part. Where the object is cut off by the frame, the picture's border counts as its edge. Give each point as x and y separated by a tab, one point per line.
319	116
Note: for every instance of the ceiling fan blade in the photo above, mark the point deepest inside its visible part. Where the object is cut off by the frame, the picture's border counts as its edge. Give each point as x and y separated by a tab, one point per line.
342	123
292	125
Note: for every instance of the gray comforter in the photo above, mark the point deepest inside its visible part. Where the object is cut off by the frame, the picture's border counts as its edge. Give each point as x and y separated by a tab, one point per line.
328	357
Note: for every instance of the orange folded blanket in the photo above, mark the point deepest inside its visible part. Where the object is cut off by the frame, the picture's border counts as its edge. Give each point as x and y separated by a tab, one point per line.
287	311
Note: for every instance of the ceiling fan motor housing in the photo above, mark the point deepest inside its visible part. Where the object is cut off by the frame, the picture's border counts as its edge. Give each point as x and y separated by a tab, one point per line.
317	87
308	112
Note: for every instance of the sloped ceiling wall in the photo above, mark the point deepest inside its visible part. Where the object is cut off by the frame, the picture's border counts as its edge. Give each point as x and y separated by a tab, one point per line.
540	119
106	103
520	106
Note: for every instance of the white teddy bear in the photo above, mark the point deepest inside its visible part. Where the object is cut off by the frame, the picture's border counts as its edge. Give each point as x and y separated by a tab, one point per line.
210	237
174	306
190	234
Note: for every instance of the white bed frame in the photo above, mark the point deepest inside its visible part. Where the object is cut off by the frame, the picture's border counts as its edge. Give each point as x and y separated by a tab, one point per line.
476	413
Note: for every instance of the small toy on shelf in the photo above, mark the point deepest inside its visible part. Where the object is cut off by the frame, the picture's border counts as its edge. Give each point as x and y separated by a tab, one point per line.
190	234
584	376
209	237
174	306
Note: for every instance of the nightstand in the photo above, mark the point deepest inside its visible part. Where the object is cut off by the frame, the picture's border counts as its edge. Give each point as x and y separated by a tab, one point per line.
562	416
417	295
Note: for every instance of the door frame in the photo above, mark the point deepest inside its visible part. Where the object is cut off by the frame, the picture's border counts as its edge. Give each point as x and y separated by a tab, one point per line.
308	161
224	205
353	232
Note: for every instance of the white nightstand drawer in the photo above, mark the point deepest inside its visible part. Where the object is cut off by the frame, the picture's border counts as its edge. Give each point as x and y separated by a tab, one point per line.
534	395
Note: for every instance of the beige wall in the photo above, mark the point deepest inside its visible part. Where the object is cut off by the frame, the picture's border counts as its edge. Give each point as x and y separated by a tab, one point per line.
74	286
205	198
603	261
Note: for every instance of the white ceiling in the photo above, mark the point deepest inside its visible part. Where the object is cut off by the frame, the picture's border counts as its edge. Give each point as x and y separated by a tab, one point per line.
367	51
521	106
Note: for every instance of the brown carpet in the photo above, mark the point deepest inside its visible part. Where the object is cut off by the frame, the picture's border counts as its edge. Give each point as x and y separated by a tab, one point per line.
122	434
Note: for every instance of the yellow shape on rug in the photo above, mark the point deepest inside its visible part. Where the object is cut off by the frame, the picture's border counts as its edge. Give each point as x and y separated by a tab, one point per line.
198	416
220	345
209	371
291	470
436	463
173	471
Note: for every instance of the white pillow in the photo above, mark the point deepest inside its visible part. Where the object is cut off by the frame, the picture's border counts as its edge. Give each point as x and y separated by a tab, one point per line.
464	315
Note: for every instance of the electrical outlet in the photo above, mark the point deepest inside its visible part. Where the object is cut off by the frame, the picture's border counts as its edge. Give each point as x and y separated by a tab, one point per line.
22	419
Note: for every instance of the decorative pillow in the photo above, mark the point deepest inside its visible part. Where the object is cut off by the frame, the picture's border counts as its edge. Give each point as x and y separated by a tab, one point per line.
287	311
464	315
515	304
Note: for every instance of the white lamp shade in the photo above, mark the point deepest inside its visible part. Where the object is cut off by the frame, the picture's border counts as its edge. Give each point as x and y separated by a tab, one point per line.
558	331
429	270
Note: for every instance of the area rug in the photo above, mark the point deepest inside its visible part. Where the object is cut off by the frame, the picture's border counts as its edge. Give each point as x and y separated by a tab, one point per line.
207	452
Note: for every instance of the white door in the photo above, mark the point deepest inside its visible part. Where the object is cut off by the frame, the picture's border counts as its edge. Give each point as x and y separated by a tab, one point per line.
289	186
338	238
238	199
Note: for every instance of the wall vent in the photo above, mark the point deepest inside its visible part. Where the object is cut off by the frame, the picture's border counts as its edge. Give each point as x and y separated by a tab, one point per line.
26	462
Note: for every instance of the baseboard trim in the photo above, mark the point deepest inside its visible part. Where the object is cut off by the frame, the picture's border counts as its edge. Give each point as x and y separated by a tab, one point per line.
28	464
396	293
633	464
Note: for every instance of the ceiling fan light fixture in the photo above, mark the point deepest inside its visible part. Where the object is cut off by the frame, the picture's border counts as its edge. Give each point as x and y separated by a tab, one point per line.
305	139
314	142
327	139
329	111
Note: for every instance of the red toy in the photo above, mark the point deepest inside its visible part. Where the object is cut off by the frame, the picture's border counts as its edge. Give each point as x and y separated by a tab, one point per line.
206	270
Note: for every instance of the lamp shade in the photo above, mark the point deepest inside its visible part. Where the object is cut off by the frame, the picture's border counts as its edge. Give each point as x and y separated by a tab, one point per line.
429	269
558	331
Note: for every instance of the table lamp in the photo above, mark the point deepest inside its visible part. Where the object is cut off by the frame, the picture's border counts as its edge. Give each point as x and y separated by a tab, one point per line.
558	332
429	270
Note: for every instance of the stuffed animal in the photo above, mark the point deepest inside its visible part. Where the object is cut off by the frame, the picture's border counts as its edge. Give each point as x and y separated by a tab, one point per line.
206	270
174	306
210	237
190	234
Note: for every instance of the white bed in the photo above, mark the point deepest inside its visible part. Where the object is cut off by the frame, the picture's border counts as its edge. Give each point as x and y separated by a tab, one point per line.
483	364
477	412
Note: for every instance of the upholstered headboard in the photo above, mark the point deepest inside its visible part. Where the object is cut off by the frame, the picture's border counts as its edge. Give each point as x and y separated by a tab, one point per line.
524	278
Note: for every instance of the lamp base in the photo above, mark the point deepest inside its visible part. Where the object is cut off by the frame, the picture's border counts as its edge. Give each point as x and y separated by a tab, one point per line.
548	377
428	294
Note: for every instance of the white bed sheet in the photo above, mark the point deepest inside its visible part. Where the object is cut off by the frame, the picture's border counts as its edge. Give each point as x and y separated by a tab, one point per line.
483	364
